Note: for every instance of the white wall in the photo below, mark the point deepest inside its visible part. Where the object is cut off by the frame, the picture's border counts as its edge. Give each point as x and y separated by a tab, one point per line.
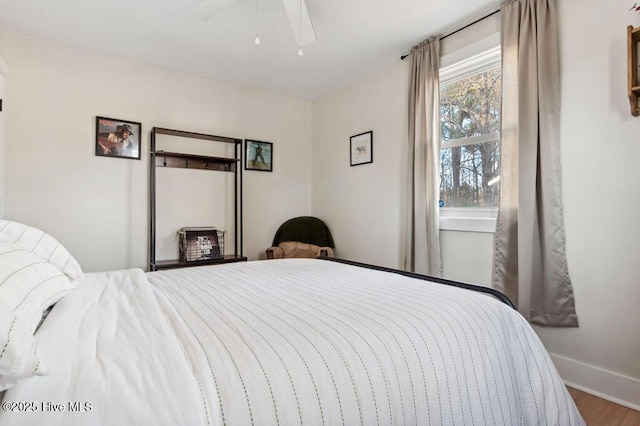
600	151
362	204
98	206
600	148
467	256
3	74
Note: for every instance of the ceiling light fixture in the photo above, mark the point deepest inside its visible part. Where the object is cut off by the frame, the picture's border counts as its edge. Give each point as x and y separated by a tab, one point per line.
303	29
300	52
257	41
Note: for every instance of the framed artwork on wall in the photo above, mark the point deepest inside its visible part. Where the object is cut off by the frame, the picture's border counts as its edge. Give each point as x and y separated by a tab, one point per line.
117	138
258	155
361	148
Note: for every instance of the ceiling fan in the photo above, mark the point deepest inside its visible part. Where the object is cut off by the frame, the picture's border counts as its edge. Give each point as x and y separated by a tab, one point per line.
296	11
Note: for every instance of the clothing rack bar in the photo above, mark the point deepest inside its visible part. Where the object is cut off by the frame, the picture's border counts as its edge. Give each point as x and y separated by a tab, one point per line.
403	57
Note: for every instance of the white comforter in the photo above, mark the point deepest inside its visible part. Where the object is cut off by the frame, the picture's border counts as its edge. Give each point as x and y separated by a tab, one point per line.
287	342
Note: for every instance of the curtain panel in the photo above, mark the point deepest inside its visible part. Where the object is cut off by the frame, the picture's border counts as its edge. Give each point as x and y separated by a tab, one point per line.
423	229
530	263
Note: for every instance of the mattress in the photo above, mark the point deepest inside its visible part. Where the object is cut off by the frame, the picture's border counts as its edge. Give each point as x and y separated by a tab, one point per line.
286	342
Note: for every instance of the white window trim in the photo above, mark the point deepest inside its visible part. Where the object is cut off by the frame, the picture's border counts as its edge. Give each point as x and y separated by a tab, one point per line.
471	140
469	219
475	64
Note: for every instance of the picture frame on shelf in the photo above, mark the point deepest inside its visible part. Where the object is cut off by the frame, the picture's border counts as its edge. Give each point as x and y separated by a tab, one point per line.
361	151
201	243
117	138
258	155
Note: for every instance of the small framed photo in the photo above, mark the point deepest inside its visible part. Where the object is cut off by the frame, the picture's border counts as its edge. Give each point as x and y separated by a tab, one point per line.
117	138
362	148
201	244
258	155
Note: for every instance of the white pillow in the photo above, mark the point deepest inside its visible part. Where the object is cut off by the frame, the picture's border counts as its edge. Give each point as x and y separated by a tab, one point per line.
35	272
19	356
29	284
40	244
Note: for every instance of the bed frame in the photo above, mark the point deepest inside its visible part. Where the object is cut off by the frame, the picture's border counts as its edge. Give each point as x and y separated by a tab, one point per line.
497	294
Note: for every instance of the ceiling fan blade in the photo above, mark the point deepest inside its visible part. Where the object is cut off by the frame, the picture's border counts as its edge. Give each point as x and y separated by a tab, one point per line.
206	9
297	9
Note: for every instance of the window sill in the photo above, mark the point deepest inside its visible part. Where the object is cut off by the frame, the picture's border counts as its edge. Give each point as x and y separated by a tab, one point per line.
468	220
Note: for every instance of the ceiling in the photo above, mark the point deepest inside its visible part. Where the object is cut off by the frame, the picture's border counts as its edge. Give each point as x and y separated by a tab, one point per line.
354	37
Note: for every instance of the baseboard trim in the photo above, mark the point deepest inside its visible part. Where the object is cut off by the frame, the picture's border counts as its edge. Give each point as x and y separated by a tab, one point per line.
614	387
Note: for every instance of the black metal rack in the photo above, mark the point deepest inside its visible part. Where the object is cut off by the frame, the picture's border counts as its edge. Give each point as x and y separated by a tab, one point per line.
192	161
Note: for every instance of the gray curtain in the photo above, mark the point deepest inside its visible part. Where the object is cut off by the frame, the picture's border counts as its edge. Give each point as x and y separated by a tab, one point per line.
422	239
530	263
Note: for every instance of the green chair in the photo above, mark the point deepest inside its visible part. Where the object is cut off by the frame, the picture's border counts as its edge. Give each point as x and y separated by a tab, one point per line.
302	237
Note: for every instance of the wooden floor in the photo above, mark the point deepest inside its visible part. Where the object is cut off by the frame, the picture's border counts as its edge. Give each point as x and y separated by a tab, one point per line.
599	412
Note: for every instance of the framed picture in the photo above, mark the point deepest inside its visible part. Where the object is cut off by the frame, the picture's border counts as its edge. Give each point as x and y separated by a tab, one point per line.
258	155
201	244
362	148
117	138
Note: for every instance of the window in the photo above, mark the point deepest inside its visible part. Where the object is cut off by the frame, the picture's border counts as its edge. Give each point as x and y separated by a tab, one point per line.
470	100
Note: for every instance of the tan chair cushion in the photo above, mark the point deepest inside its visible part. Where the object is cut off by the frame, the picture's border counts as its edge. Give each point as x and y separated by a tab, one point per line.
293	249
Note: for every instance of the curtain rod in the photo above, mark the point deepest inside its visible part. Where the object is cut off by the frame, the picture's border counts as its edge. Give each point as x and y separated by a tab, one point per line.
403	57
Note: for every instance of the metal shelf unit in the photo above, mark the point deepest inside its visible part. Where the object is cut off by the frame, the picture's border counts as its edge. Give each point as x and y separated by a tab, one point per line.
160	158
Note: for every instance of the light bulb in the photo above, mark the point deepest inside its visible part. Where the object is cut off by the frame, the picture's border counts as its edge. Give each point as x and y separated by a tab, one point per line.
257	40
300	52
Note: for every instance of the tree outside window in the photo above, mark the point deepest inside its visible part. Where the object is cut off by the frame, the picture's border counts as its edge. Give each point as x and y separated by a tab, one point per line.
470	144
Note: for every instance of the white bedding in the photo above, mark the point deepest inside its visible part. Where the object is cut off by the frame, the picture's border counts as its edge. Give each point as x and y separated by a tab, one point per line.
288	342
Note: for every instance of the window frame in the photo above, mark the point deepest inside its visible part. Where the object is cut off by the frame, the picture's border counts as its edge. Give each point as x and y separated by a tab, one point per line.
469	219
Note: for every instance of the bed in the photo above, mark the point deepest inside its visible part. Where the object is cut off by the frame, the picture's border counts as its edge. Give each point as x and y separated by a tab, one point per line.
277	342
